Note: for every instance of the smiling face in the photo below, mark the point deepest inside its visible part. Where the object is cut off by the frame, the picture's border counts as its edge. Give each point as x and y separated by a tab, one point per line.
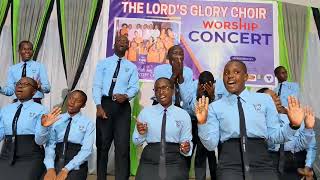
163	89
76	101
121	46
25	50
235	77
25	89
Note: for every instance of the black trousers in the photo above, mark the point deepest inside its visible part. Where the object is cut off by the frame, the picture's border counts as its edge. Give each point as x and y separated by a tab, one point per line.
72	151
29	159
260	162
116	127
291	163
176	165
200	162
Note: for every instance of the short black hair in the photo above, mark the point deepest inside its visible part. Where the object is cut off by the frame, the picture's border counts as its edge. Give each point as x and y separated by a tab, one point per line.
173	48
277	69
31	81
83	94
205	77
124	24
263	90
170	82
25	42
241	63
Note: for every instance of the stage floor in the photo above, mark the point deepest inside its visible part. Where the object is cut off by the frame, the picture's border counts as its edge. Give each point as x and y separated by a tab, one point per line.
92	177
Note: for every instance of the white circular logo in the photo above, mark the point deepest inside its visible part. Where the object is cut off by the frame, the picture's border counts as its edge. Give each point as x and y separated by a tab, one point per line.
268	78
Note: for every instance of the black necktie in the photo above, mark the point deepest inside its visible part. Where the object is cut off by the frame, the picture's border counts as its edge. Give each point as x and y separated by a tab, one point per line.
243	141
281	150
24	71
279	92
14	135
65	146
281	159
114	78
177	95
162	163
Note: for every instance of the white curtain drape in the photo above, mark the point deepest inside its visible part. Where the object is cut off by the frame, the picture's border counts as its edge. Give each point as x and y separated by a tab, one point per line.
6	56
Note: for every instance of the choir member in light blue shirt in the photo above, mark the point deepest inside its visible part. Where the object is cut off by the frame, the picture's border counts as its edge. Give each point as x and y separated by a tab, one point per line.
115	83
221	121
189	93
213	89
80	141
24	128
177	138
285	88
127	80
304	139
33	70
175	71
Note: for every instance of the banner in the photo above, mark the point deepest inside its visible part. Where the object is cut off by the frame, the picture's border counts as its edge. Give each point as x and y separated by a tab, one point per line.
211	33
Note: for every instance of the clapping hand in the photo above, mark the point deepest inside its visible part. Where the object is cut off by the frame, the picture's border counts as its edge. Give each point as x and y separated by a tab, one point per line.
142	127
185	147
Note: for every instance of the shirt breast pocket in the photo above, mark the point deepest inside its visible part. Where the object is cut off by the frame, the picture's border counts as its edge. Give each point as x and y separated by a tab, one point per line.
125	74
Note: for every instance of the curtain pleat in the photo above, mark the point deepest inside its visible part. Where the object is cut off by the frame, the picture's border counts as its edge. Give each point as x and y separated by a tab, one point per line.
29	22
77	23
295	19
4	7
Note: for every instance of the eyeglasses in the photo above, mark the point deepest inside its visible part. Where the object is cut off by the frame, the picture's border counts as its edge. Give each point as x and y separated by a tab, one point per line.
25	84
163	88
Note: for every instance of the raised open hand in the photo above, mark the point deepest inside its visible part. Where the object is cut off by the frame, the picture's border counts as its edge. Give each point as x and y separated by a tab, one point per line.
310	119
48	119
201	110
295	111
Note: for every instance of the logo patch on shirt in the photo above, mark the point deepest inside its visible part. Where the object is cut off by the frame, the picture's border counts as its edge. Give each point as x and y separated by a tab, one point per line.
32	114
257	107
219	96
81	128
34	71
178	124
127	69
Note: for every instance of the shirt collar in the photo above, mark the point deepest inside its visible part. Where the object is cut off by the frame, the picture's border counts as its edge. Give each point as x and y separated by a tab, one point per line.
26	104
161	108
29	62
73	117
244	95
115	57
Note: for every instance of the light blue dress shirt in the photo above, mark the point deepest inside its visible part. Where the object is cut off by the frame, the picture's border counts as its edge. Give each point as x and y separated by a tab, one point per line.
82	131
165	70
260	114
127	80
287	89
34	70
189	93
178	126
297	142
29	122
